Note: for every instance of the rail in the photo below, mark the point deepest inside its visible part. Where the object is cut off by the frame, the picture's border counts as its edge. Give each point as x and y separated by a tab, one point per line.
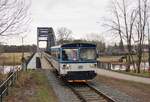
86	93
109	99
9	82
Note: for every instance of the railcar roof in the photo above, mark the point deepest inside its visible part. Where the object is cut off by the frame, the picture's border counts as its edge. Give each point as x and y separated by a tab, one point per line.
75	45
58	46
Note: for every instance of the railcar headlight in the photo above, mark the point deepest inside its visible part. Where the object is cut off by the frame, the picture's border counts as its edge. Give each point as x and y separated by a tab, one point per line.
66	66
93	65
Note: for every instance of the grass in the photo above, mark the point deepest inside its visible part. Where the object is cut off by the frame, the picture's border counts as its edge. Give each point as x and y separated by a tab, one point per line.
32	86
12	58
144	74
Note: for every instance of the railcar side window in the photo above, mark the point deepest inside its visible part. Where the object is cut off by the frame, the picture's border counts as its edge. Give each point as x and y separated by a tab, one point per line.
55	54
87	54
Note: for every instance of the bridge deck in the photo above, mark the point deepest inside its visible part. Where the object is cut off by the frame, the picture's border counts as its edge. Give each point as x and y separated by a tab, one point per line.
32	63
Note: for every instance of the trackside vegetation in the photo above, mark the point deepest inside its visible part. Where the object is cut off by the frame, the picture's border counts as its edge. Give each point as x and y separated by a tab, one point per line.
32	86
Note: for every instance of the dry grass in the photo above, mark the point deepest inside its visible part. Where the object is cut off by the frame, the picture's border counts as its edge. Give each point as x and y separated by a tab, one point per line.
12	58
2	77
116	58
9	59
32	86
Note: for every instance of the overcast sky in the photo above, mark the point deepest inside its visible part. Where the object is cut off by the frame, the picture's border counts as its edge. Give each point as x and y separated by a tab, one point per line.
81	16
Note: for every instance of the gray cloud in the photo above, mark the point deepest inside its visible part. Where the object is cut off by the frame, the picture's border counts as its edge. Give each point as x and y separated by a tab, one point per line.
78	15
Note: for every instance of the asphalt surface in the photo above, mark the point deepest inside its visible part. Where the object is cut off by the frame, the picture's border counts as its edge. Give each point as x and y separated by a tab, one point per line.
123	76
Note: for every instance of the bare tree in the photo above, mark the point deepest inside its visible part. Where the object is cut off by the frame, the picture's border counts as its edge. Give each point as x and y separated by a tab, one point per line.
13	17
97	39
141	25
94	37
63	35
129	23
122	24
148	31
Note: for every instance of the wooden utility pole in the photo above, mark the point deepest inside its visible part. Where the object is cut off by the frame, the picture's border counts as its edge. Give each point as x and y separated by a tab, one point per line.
148	47
22	38
22	48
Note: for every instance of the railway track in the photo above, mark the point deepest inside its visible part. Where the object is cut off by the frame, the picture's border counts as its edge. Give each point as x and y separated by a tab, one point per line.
87	93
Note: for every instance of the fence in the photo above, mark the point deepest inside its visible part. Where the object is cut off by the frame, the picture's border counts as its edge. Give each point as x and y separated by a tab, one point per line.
9	82
111	66
120	66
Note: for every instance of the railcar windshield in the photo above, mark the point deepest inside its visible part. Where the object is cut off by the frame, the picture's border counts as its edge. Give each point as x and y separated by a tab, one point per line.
70	54
79	54
87	54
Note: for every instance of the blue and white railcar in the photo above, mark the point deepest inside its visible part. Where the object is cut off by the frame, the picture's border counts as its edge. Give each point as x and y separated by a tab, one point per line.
76	61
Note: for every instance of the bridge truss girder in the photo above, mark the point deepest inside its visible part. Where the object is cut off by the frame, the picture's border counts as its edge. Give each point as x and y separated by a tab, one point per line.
46	34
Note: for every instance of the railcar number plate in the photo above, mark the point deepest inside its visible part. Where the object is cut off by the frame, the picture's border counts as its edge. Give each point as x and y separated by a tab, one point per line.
80	67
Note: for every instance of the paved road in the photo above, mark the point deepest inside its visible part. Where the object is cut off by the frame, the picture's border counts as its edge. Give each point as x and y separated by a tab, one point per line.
123	76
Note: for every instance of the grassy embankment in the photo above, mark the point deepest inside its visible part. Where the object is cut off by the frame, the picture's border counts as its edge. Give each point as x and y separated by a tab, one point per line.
32	86
144	74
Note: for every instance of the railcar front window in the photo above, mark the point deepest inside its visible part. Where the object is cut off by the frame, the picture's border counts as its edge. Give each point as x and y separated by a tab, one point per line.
70	54
87	54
